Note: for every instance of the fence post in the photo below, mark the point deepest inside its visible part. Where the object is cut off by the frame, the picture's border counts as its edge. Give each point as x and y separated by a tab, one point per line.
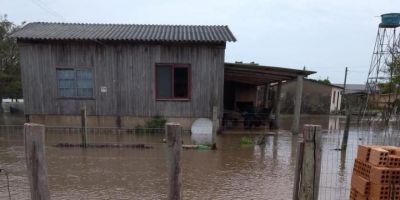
174	141
215	127
36	160
311	165
297	172
346	127
83	127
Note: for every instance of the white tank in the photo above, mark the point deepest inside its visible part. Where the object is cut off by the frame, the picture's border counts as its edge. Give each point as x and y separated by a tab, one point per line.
202	131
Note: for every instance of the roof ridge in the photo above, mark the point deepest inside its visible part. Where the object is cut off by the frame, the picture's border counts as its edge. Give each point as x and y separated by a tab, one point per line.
127	24
133	32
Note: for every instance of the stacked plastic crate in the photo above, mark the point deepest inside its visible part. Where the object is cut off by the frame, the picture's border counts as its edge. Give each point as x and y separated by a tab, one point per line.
376	173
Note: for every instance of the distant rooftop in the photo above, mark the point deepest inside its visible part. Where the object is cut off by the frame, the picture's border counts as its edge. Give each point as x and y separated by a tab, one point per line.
354	88
125	32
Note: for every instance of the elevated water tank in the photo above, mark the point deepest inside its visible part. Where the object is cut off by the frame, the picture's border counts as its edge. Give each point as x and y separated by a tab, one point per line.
390	20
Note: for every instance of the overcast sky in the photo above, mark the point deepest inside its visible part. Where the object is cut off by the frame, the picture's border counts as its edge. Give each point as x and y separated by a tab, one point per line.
322	35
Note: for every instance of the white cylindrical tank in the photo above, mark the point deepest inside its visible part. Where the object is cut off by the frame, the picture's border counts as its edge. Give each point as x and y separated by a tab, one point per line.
202	131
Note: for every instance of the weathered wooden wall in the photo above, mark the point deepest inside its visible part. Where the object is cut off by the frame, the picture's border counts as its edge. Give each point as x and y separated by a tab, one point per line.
127	70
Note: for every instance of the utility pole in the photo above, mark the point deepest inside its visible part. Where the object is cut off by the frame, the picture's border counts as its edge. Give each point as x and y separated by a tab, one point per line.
348	114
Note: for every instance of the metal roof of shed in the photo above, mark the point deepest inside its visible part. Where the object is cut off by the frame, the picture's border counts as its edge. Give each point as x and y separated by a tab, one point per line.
259	74
125	32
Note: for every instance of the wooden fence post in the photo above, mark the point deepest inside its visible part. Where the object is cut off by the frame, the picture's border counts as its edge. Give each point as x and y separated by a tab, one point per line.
83	127
311	164
174	142
297	172
215	127
36	160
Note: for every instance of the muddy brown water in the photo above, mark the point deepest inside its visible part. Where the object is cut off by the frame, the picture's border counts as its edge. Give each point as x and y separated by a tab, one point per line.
234	171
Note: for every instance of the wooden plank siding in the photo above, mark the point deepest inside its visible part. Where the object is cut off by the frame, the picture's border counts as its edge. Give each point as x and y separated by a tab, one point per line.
127	70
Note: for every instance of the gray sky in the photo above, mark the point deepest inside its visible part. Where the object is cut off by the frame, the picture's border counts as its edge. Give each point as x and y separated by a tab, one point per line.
323	35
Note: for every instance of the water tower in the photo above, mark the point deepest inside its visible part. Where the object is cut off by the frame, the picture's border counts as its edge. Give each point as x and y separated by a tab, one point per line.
386	50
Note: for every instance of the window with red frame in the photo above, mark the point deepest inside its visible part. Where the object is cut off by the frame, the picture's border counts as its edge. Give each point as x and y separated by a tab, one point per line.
172	81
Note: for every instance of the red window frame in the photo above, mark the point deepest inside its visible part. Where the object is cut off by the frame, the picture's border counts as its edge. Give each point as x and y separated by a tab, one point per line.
173	66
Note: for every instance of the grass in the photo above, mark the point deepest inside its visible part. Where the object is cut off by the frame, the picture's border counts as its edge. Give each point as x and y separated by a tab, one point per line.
246	141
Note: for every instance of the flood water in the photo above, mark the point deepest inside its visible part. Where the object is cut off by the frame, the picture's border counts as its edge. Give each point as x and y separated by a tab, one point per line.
234	171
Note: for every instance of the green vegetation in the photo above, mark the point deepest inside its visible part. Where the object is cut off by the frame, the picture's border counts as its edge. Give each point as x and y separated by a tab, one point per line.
152	126
10	75
10	78
323	81
156	122
246	141
393	83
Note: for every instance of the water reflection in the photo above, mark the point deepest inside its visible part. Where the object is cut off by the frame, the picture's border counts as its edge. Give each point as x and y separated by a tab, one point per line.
234	171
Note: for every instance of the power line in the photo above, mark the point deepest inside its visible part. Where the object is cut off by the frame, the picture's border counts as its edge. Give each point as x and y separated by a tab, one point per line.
47	9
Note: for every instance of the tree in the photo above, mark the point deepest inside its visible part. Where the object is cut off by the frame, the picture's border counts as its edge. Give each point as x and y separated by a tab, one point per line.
393	70
323	81
10	75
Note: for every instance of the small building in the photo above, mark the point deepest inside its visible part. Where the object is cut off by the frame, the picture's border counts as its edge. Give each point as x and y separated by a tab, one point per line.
318	97
353	88
356	95
126	74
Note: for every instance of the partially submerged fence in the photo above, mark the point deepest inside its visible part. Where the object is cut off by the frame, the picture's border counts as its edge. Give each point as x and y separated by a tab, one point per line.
336	165
100	172
109	152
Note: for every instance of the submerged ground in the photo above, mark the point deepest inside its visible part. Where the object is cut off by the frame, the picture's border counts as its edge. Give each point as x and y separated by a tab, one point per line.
234	171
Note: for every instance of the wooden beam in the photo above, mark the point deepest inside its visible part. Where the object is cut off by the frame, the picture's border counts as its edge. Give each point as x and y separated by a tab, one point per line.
260	72
253	76
246	81
261	69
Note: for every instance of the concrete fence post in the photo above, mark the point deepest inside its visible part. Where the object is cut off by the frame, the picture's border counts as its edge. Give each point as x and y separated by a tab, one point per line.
311	163
278	106
35	155
174	142
297	105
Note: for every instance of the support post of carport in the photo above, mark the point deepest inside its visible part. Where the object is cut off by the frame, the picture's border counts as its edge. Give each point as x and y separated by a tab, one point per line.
278	105
265	97
297	104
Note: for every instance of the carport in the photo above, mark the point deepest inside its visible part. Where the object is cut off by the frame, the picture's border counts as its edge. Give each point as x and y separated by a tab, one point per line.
243	83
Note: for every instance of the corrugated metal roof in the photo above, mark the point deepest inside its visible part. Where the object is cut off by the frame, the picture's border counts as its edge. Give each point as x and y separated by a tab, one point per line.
124	32
255	74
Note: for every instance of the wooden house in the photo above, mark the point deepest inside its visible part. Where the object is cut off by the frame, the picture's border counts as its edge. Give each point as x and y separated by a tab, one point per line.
126	74
129	72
